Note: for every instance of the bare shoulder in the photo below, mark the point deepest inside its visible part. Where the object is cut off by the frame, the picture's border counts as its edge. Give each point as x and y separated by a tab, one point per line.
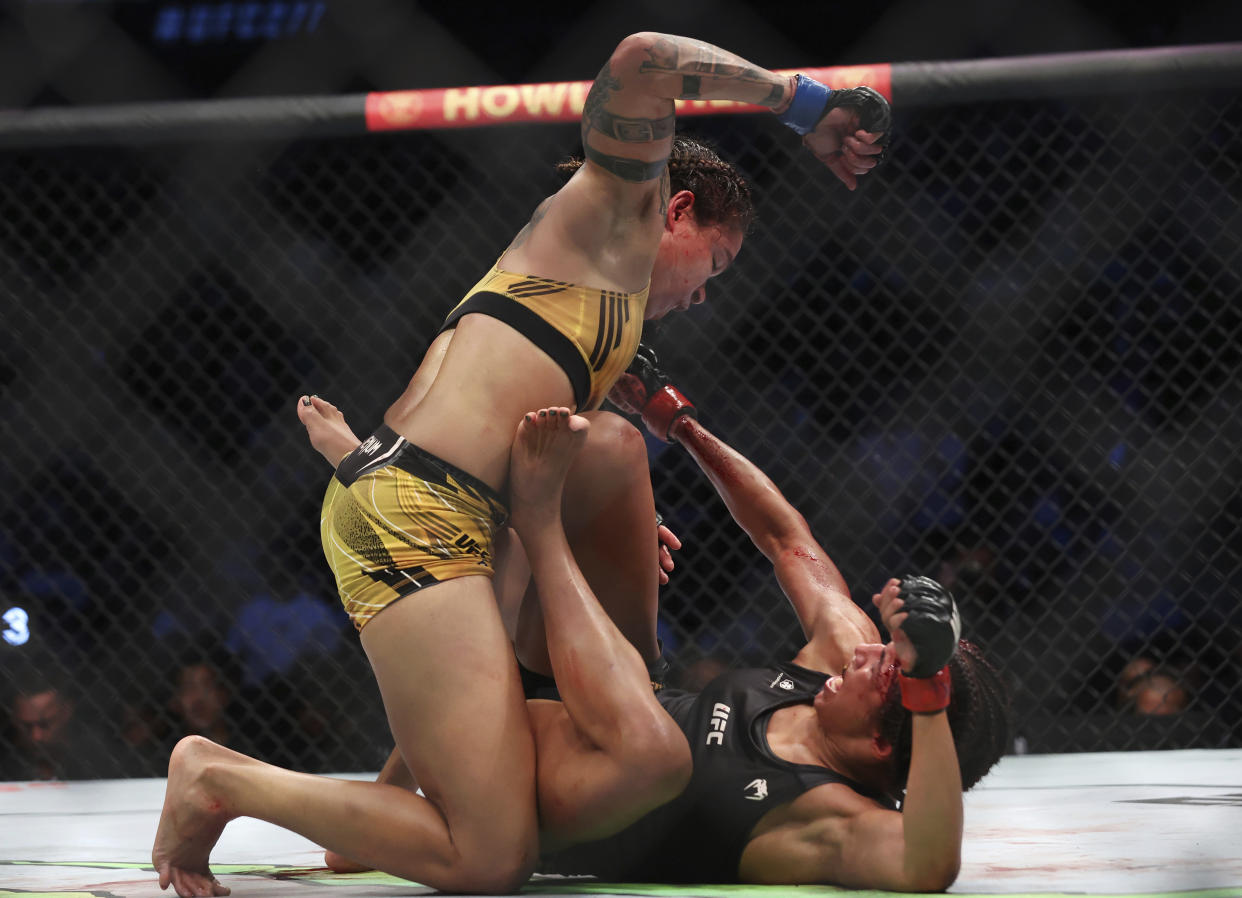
813	838
583	234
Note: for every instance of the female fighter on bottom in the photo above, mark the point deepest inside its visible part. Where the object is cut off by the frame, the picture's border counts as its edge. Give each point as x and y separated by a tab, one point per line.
798	773
800	767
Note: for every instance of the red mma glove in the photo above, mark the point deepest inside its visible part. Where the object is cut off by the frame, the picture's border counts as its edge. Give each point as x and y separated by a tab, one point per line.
645	390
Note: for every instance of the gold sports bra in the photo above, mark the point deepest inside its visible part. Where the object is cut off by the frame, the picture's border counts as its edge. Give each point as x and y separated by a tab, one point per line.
591	333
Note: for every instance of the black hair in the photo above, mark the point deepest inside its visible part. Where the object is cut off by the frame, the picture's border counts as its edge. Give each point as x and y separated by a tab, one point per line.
980	713
721	194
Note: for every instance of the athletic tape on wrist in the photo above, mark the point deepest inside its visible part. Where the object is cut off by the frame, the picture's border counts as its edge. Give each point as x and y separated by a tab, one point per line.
926	695
807	107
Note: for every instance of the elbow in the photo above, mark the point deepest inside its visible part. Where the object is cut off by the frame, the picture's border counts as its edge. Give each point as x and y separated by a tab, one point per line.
934	877
632	52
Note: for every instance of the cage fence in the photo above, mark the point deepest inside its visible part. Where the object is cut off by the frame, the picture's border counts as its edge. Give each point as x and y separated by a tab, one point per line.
1010	361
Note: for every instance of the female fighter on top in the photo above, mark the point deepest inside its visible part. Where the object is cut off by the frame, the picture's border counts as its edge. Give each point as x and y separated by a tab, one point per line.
410	515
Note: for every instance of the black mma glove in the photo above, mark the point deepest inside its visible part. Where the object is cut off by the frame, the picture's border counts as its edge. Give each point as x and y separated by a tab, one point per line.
932	623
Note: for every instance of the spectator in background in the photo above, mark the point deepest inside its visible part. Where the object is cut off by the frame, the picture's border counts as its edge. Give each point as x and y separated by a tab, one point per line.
271	634
970	569
1151	689
52	736
143	732
205	683
973	573
307	724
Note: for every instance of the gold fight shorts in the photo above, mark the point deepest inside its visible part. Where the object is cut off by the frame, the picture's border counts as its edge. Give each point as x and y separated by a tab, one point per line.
397	519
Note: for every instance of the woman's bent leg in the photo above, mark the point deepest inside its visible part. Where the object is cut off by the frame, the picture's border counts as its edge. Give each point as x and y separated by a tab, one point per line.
609	519
608	753
455	706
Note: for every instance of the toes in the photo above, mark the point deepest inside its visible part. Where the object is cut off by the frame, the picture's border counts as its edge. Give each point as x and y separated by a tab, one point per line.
310	408
312	405
325	407
189	884
550	420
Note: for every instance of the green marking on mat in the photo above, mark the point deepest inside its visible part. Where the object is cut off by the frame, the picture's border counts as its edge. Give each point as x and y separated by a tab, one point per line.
560	885
752	891
315	875
120	865
103	865
322	876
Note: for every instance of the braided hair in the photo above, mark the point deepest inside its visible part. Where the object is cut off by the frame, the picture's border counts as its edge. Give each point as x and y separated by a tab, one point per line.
979	716
721	194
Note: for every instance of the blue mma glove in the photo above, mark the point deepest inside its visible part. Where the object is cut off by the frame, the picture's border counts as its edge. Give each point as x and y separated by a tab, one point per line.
813	100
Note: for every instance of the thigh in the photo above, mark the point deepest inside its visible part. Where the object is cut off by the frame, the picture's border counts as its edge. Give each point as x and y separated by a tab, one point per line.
609	518
587	792
454	701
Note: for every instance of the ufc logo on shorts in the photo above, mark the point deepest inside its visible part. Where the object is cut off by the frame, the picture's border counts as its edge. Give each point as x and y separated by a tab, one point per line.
720	720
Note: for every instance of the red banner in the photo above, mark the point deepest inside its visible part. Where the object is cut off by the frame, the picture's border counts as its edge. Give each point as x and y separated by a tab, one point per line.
559	101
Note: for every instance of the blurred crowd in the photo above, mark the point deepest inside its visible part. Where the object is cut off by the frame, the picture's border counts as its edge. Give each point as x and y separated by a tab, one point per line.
285	683
97	687
1013	366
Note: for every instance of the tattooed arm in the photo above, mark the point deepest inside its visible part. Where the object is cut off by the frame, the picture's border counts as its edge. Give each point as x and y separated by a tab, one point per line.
627	121
603	228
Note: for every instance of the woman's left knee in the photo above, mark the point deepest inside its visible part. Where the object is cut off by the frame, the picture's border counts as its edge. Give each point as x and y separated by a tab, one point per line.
615	442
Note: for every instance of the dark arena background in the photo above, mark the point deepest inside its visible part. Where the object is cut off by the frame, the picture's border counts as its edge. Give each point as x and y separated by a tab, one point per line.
1010	360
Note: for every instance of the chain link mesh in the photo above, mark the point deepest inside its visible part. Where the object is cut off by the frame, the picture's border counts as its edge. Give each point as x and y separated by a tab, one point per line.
1009	361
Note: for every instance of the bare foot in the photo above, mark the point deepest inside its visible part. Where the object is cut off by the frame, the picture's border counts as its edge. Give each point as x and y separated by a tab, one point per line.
326	427
339	863
190	824
546	443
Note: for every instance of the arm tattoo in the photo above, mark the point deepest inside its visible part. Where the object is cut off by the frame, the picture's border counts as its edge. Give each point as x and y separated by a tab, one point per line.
665	191
596	117
775	97
699	61
598	97
636	170
631	130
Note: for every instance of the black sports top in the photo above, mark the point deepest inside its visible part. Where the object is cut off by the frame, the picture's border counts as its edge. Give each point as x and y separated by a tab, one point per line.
700	836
